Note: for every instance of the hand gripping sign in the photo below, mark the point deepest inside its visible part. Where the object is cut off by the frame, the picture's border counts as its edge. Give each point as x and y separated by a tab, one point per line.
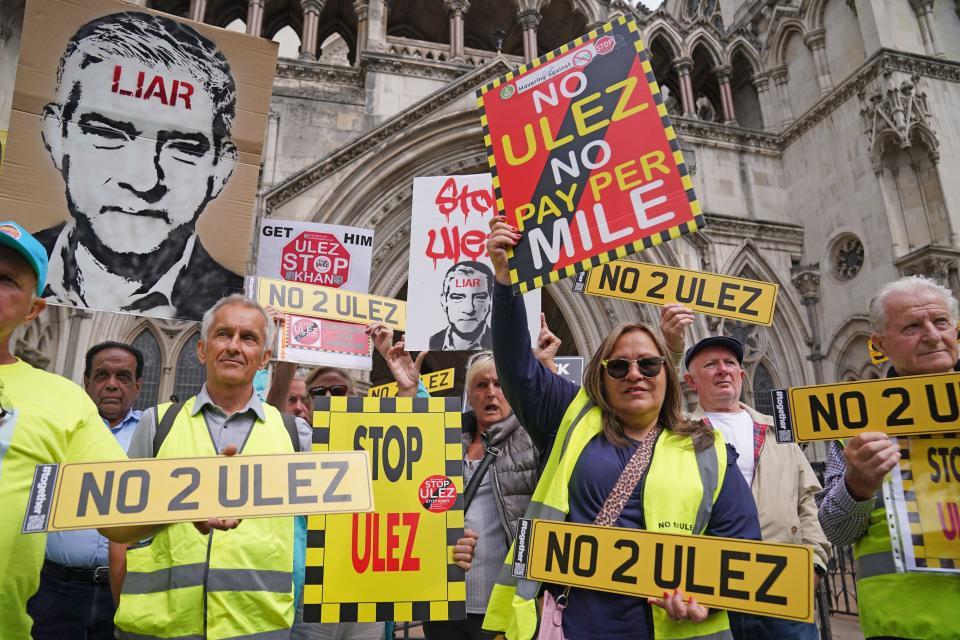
903	406
395	563
158	491
584	159
924	493
765	578
711	293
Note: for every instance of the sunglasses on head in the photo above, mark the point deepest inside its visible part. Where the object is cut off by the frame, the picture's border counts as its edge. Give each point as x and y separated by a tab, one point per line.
335	390
618	368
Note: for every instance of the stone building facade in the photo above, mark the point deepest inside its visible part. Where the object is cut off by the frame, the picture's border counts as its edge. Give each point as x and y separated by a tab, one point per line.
821	135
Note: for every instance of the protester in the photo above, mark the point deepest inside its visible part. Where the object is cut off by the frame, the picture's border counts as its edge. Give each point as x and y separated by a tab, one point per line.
499	474
629	403
43	419
74	599
784	485
171	588
914	323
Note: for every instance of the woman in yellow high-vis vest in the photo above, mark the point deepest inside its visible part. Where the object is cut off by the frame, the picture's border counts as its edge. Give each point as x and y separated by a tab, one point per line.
629	410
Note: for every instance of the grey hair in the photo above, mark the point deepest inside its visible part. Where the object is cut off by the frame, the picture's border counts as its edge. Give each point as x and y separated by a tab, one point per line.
476	364
878	308
242	300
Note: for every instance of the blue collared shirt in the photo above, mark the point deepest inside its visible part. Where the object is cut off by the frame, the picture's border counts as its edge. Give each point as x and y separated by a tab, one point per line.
87	549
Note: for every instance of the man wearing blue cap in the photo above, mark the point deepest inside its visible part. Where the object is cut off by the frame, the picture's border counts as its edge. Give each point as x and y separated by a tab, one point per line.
33	430
783	484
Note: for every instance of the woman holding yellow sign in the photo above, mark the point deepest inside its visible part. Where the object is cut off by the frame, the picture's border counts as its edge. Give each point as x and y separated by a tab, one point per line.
619	454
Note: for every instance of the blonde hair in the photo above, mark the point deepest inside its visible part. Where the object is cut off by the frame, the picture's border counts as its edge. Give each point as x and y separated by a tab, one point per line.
311	377
671	414
476	364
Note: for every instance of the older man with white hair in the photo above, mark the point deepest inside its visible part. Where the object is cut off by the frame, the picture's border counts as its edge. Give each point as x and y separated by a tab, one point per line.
914	322
222	584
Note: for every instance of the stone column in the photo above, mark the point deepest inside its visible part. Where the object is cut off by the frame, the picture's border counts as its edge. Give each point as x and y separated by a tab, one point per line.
815	42
779	76
806	279
761	82
255	17
376	25
360	8
455	11
198	9
726	94
311	22
684	66
529	21
924	11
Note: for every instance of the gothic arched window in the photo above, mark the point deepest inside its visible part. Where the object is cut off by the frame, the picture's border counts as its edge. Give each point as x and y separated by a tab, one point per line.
762	385
191	374
152	363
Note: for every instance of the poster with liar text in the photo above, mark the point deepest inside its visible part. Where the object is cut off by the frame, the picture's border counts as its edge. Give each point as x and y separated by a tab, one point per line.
584	159
450	292
134	150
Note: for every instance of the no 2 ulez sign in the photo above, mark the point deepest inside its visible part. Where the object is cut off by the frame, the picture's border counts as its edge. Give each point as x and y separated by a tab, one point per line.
584	159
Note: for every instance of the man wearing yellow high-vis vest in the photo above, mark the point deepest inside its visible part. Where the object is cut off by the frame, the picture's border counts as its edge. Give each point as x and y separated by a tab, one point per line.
914	323
237	583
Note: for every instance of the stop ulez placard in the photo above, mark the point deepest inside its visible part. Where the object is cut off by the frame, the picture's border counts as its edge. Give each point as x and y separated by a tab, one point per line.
764	578
161	490
901	406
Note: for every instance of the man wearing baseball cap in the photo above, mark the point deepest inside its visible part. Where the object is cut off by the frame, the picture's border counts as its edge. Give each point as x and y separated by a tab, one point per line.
33	429
779	475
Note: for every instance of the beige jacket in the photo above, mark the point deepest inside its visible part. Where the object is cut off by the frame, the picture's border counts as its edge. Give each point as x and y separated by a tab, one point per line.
783	472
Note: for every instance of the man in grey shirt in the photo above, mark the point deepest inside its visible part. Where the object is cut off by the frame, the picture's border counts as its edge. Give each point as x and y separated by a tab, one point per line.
236	334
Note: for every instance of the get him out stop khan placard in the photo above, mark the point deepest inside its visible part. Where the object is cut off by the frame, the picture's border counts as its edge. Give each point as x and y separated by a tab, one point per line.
584	159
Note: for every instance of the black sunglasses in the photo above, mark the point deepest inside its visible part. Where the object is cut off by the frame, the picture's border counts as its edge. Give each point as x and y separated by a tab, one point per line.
335	390
618	368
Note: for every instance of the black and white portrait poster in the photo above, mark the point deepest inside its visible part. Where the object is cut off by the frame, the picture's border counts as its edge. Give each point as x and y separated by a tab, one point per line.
450	290
135	143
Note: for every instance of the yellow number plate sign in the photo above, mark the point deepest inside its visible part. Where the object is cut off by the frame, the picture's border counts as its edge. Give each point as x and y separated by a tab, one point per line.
904	406
764	578
156	491
711	293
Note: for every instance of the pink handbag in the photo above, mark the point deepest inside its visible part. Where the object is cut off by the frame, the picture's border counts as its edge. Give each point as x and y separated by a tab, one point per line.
551	616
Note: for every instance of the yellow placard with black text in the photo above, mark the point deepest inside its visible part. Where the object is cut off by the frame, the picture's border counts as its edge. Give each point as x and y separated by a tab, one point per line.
902	406
395	563
711	293
155	491
327	302
436	381
764	578
928	503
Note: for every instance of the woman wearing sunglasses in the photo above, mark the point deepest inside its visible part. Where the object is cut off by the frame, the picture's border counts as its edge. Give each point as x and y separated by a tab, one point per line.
628	460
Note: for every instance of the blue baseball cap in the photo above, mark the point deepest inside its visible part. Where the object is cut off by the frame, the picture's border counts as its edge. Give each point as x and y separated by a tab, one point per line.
17	238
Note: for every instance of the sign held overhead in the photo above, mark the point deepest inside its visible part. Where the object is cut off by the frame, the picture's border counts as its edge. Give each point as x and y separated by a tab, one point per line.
711	293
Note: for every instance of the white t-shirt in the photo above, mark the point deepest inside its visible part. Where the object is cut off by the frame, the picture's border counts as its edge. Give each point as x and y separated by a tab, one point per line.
737	430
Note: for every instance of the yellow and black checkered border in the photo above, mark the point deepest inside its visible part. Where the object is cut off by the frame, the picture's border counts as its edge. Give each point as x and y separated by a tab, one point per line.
691	226
913	510
454	607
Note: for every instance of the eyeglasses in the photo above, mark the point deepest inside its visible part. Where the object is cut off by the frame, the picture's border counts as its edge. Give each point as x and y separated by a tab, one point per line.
618	368
335	390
